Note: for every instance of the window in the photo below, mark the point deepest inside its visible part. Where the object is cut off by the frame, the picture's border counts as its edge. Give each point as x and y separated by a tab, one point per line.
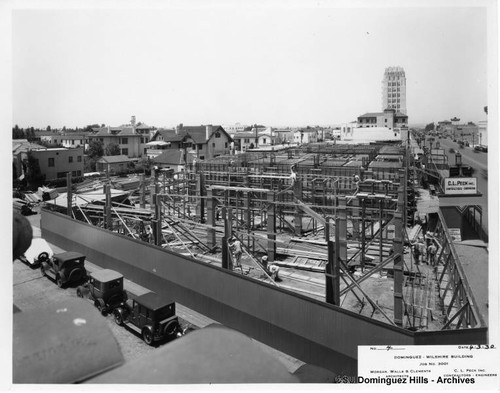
225	145
124	141
60	175
386	120
217	134
125	152
51	161
213	144
202	157
78	173
200	146
70	159
101	139
264	140
145	150
73	173
247	140
79	159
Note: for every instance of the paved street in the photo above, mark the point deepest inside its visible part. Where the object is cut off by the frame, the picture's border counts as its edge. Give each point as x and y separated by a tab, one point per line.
479	162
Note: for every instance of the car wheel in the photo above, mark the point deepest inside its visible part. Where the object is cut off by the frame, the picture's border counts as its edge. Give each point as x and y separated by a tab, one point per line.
59	281
147	336
44	256
118	318
171	328
99	304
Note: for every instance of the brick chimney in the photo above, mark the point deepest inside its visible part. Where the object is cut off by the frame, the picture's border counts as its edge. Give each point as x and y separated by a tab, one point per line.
178	129
208	131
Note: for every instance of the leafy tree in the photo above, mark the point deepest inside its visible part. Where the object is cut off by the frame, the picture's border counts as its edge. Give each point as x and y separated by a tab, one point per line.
30	134
33	174
145	163
17	133
49	129
112	149
96	149
429	127
90	126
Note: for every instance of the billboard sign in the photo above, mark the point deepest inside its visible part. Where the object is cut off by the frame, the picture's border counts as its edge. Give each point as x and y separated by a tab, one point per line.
460	185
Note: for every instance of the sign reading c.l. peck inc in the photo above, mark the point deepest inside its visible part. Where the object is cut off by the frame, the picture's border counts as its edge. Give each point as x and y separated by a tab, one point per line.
460	185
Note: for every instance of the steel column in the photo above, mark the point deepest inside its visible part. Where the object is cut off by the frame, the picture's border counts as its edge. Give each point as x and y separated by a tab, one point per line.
211	206
398	251
69	194
271	227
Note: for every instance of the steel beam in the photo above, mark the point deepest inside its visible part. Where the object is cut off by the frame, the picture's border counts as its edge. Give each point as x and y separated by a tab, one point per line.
69	194
271	227
211	207
398	251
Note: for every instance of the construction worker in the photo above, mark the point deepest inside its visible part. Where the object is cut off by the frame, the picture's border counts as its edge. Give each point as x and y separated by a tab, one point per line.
356	182
293	174
416	252
235	247
263	261
431	252
273	270
422	251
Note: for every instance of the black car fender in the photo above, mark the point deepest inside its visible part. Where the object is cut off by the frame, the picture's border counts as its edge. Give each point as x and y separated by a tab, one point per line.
62	274
120	315
83	291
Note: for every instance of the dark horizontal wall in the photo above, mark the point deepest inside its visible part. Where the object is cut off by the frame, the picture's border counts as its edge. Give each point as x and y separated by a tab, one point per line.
309	330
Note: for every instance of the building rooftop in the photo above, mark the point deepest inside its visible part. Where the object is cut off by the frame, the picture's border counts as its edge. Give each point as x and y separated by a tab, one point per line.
114	159
172	157
197	133
375	114
22	145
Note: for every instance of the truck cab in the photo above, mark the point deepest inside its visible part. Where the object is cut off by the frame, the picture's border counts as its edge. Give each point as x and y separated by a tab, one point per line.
150	316
64	267
105	289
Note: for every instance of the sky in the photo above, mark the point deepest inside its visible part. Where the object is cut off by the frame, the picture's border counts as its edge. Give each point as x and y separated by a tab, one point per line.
311	63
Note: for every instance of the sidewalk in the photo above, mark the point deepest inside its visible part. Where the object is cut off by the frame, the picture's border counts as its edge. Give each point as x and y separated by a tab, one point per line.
194	318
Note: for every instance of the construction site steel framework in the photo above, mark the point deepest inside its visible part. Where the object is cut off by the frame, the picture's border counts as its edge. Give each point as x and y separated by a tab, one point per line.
238	198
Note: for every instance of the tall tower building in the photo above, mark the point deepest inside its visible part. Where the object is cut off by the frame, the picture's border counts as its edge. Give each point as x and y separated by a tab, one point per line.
394	89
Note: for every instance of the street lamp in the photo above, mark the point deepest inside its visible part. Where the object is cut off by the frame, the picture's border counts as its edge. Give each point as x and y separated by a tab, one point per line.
458	163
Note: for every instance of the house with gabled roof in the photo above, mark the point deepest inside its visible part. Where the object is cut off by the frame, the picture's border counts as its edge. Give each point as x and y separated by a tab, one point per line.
205	142
113	164
131	139
173	159
305	135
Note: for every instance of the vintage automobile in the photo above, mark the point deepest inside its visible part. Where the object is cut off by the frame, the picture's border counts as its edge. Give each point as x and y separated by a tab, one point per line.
150	316
105	289
38	252
64	268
